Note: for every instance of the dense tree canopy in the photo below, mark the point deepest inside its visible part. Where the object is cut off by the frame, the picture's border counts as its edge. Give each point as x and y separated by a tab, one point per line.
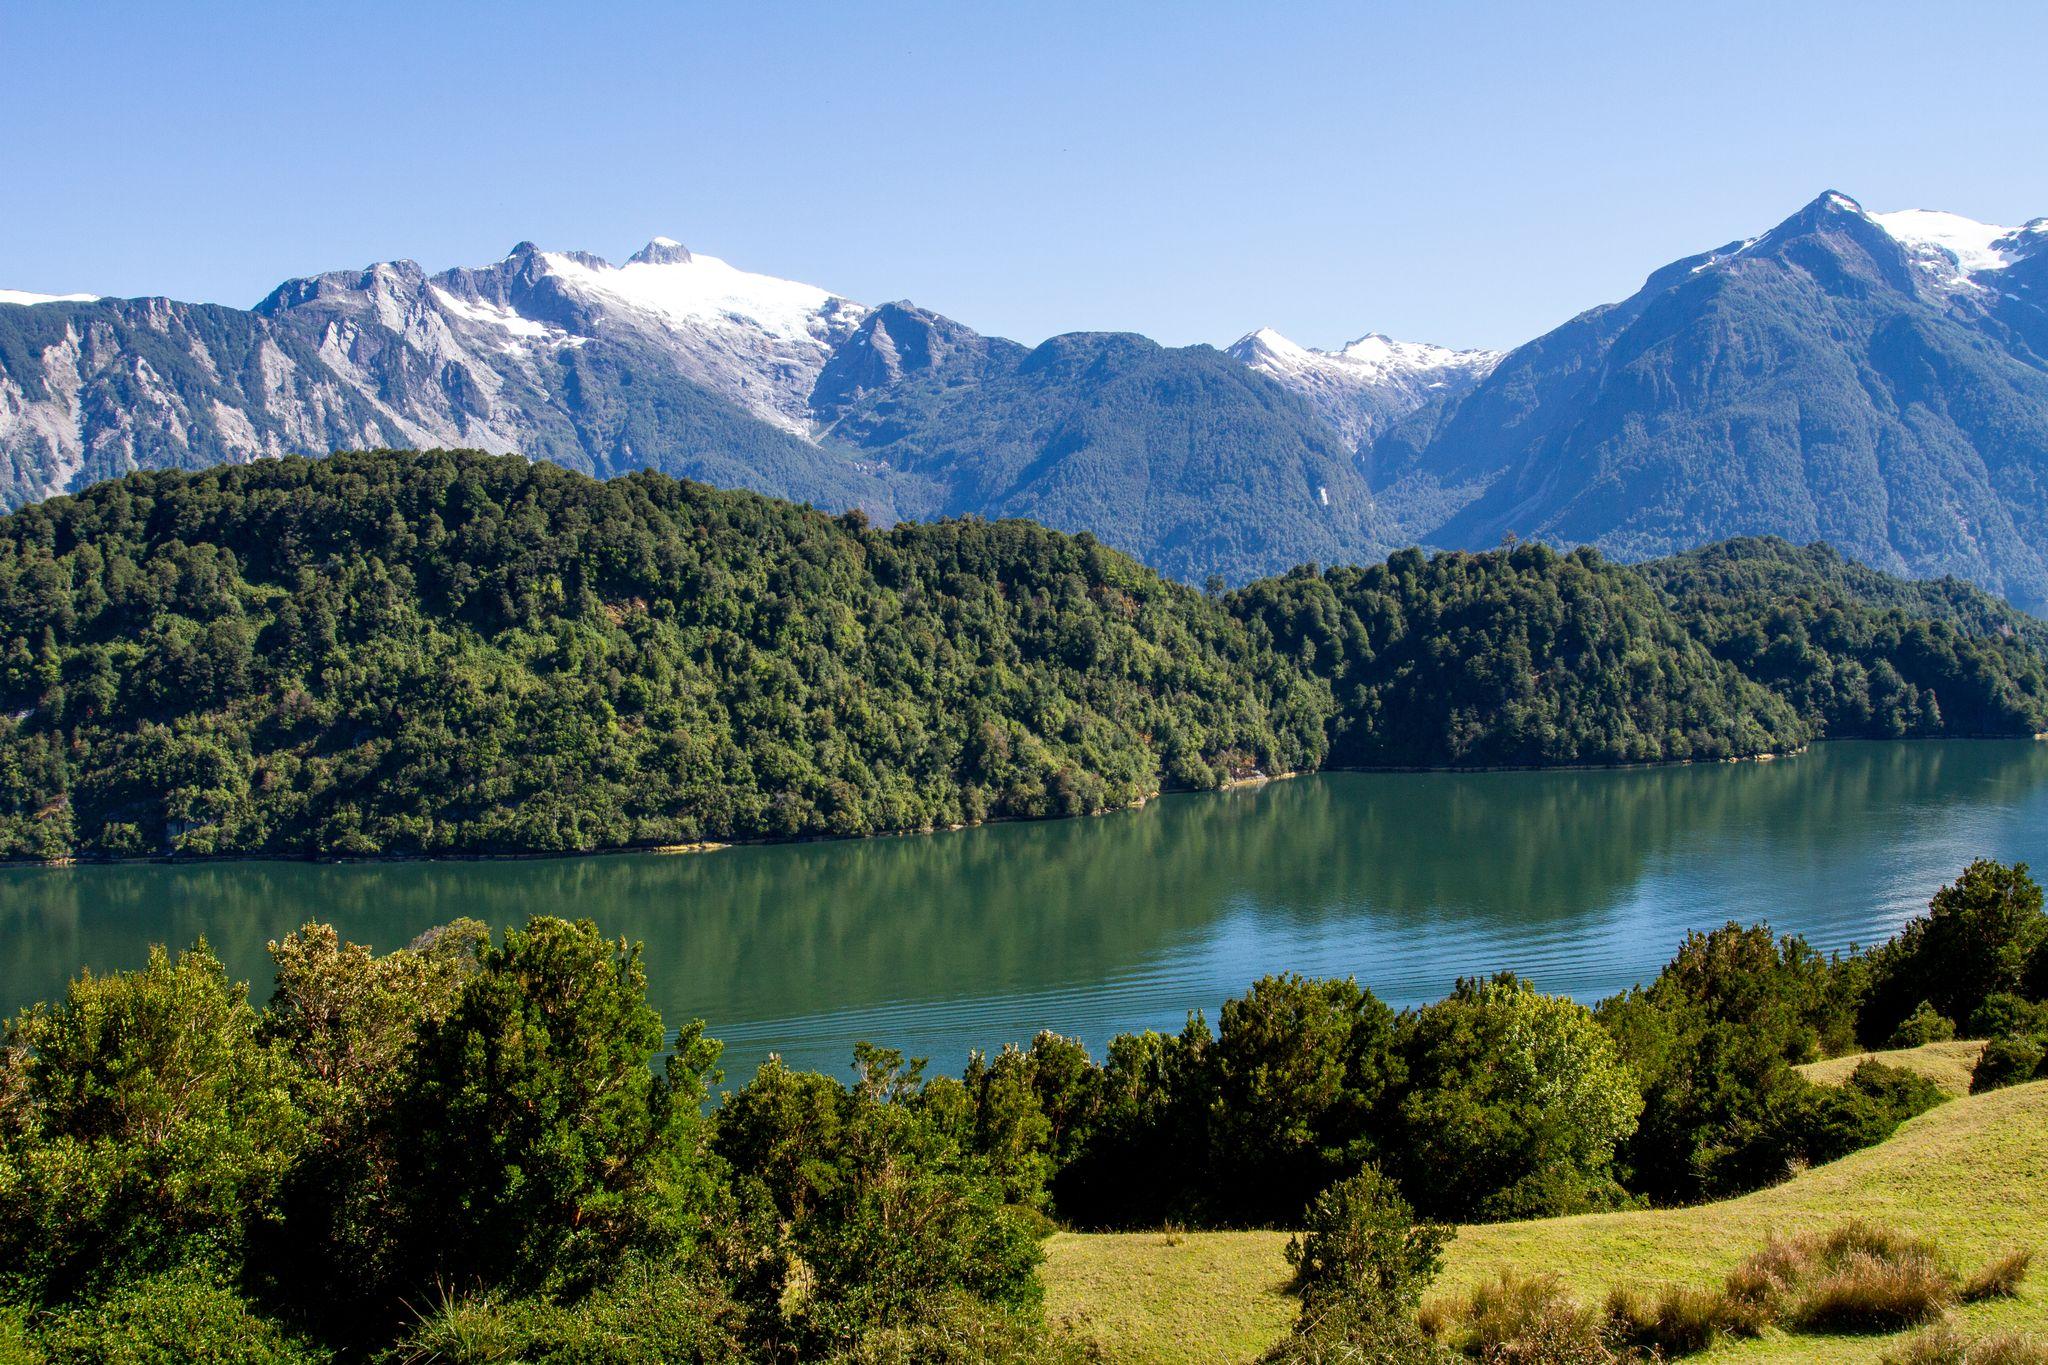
421	653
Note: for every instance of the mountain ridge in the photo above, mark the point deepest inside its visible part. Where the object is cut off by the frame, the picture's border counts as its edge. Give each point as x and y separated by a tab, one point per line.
1878	381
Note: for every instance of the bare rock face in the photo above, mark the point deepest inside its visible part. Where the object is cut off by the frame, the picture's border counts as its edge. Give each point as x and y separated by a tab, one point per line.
674	360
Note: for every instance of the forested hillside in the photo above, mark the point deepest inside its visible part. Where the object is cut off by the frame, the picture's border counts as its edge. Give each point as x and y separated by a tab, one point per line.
414	653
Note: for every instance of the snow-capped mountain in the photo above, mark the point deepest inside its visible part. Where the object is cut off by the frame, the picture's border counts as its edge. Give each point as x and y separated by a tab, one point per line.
672	360
1368	385
1875	380
681	362
754	339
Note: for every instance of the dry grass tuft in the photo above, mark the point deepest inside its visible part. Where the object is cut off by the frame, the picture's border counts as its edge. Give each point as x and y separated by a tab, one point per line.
2001	1279
1530	1320
1945	1344
1856	1277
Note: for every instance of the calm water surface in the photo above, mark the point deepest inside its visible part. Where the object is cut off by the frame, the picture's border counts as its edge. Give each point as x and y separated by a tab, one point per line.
1583	881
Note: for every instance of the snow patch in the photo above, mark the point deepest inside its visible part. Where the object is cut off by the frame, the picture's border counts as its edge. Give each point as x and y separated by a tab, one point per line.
1970	247
487	314
705	290
26	299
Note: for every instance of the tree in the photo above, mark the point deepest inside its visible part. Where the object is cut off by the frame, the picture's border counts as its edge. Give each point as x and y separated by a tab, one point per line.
1976	940
1301	1069
533	1142
1361	1242
885	1210
144	1124
347	1016
1513	1105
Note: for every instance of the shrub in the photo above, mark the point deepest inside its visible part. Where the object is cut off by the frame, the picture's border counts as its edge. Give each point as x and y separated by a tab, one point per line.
884	1210
146	1125
1922	1026
2008	1061
14	1343
535	1143
1863	1111
2006	1014
1531	1320
182	1317
1300	1068
1363	1246
1871	1294
2000	1279
1979	938
1513	1107
1361	1266
1346	1336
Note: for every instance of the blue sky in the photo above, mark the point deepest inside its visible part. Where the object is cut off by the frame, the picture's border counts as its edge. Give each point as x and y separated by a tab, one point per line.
1464	173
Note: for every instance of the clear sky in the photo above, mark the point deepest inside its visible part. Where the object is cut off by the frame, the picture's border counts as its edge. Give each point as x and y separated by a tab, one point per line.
1458	172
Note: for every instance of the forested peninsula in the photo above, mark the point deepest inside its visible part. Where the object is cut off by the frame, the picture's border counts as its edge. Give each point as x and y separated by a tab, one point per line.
399	653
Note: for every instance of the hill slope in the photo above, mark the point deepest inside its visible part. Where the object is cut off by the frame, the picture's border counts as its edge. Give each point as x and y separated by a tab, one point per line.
448	651
1971	1174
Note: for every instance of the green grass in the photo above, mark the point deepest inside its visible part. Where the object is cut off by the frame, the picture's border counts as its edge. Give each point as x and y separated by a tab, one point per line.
1972	1175
1948	1064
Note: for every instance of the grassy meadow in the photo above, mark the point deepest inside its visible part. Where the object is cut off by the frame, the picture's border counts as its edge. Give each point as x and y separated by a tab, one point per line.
1972	1175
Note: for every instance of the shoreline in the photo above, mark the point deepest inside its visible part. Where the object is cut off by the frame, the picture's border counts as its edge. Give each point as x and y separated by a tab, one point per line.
1235	784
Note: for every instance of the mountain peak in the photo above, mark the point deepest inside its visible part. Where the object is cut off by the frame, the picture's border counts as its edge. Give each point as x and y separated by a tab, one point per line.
661	251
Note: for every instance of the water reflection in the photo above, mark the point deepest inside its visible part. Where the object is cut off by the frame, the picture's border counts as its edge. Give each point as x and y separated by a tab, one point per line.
1583	880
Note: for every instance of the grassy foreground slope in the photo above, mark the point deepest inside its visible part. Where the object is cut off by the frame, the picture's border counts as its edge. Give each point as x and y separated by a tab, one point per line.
1971	1174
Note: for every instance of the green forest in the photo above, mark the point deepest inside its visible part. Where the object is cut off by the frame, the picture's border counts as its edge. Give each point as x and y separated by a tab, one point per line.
483	1147
448	652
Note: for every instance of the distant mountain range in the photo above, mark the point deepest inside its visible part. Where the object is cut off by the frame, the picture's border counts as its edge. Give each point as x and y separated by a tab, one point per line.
1878	381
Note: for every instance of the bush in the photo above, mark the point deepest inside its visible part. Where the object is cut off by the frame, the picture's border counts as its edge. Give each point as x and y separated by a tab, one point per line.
884	1210
1361	1265
1344	1335
1300	1069
1513	1106
1530	1320
2006	1015
1677	1321
183	1317
958	1330
1922	1026
1869	1294
1363	1246
535	1143
146	1124
1862	1111
2008	1061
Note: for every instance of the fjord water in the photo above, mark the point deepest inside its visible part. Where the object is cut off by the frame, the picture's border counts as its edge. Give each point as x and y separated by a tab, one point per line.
1581	880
